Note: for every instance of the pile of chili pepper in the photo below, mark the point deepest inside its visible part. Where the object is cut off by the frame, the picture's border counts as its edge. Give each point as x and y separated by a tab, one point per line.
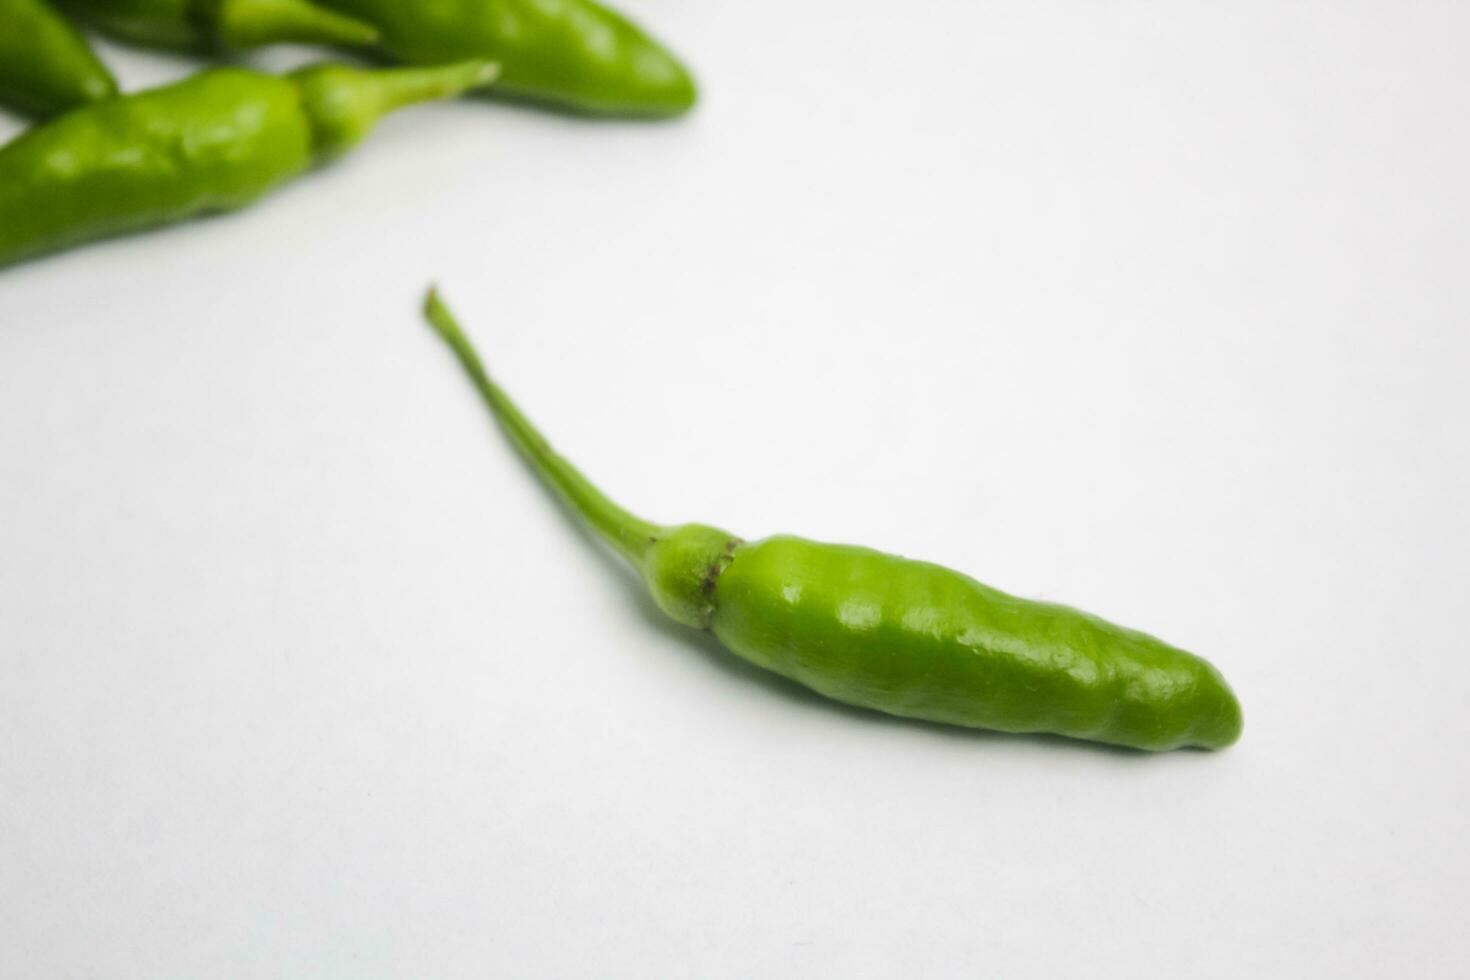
898	636
98	163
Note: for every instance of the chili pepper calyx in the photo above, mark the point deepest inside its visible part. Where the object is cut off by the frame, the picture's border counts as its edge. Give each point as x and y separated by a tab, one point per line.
681	567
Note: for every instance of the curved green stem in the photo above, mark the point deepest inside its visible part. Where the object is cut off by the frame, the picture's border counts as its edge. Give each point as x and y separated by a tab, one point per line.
398	87
631	536
253	23
344	103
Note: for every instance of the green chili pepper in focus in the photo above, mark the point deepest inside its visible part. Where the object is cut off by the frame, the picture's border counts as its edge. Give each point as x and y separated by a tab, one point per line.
899	636
224	24
213	142
573	53
45	65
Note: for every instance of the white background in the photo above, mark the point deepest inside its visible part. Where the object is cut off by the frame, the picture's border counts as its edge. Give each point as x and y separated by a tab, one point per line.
1159	309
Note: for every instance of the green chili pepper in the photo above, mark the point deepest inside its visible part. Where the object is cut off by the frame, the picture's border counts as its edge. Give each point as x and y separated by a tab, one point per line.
213	142
573	53
223	24
45	65
899	636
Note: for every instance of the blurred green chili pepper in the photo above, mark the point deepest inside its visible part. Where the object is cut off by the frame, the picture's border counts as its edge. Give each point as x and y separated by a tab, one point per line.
223	24
899	636
45	65
574	53
213	142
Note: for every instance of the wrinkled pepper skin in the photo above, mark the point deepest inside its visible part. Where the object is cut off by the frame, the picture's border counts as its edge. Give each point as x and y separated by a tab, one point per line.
576	54
214	25
898	636
918	640
45	65
211	143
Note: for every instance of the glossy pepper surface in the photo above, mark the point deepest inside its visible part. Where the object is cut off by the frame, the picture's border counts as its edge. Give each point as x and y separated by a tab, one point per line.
213	142
45	65
223	24
573	53
903	637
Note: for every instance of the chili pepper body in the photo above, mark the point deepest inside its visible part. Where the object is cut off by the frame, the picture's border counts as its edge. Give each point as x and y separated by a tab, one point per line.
213	142
223	24
576	54
914	639
904	637
45	65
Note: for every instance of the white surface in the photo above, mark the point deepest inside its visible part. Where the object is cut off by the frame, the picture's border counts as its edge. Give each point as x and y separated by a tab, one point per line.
1157	309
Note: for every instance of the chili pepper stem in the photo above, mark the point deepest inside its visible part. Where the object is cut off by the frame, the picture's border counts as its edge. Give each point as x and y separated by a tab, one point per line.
398	87
630	536
344	103
253	23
